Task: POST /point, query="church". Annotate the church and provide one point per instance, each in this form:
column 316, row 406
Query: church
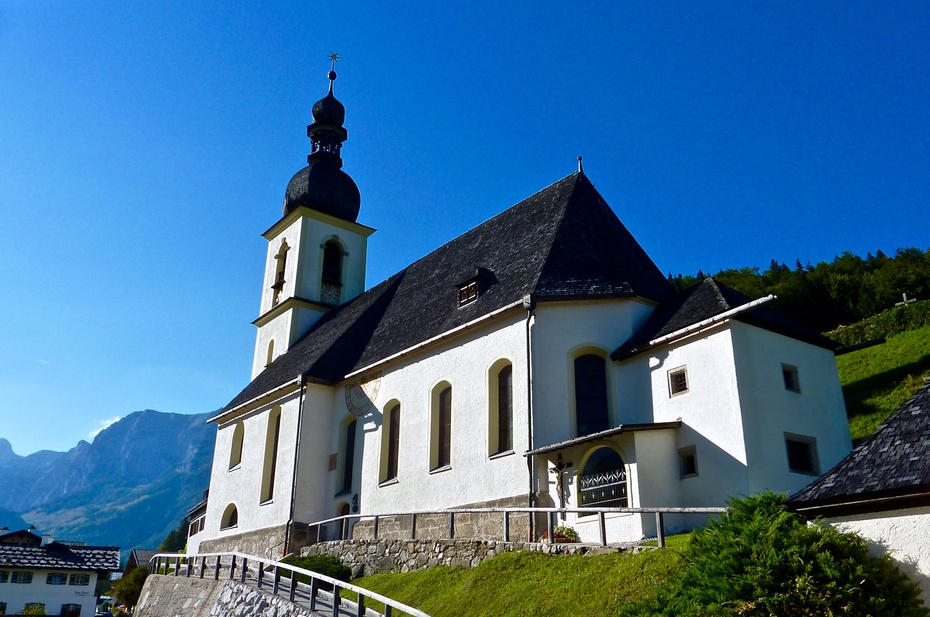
column 540, row 359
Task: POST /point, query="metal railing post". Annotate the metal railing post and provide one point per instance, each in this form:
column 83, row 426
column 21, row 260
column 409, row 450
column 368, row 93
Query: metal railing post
column 549, row 531
column 361, row 606
column 345, row 528
column 413, row 526
column 376, row 526
column 203, row 566
column 603, row 523
column 506, row 525
column 277, row 580
column 232, row 568
column 261, row 574
column 245, row 569
column 451, row 525
column 216, row 571
column 177, row 565
column 293, row 585
column 314, row 588
column 660, row 529
column 336, row 600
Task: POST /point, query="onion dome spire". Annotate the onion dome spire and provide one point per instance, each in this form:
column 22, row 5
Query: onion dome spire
column 322, row 185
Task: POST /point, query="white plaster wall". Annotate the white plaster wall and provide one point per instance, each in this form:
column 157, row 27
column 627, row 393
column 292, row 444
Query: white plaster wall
column 560, row 331
column 316, row 231
column 17, row 595
column 770, row 410
column 902, row 534
column 473, row 475
column 315, row 485
column 293, row 234
column 709, row 411
column 241, row 485
column 278, row 330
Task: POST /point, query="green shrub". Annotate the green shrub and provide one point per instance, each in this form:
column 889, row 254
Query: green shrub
column 759, row 560
column 34, row 608
column 322, row 564
column 887, row 323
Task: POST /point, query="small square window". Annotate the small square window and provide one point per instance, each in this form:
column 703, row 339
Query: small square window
column 677, row 381
column 468, row 292
column 802, row 454
column 56, row 579
column 21, row 577
column 687, row 462
column 790, row 375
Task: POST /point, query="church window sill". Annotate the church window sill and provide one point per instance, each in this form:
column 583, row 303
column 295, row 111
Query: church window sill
column 389, row 482
column 498, row 455
column 440, row 469
column 267, row 502
column 235, row 468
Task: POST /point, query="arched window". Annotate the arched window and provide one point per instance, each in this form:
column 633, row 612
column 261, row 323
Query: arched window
column 230, row 517
column 441, row 430
column 269, row 358
column 271, row 454
column 348, row 460
column 235, row 452
column 602, row 483
column 390, row 428
column 591, row 413
column 500, row 414
column 332, row 273
column 280, row 265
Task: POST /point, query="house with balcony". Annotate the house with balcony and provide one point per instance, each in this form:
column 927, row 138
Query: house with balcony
column 539, row 359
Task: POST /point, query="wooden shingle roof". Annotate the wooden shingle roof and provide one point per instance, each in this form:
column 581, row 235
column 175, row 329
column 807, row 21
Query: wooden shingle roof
column 59, row 556
column 564, row 242
column 890, row 470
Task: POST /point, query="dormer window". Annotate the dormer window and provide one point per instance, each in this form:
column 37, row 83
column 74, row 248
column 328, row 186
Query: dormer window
column 468, row 292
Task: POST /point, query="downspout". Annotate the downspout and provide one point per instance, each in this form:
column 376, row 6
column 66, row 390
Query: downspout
column 532, row 500
column 300, row 415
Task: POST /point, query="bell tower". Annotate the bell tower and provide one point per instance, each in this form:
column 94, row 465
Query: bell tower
column 317, row 251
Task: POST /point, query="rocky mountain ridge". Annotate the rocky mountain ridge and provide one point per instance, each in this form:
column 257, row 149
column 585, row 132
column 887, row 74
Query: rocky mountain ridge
column 128, row 488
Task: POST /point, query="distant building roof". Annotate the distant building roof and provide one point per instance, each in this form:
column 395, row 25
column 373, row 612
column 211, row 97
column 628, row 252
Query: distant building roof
column 563, row 243
column 58, row 556
column 890, row 470
column 705, row 300
column 139, row 557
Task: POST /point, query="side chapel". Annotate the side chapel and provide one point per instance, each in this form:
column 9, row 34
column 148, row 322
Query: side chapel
column 539, row 359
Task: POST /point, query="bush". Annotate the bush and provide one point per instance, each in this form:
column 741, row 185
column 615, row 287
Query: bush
column 34, row 608
column 562, row 533
column 128, row 589
column 760, row 560
column 887, row 323
column 322, row 564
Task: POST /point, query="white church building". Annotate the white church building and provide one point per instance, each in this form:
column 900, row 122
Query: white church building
column 539, row 359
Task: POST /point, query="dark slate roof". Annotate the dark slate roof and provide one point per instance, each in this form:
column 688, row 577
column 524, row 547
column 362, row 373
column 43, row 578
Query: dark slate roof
column 617, row 430
column 58, row 556
column 703, row 301
column 888, row 470
column 564, row 242
column 139, row 557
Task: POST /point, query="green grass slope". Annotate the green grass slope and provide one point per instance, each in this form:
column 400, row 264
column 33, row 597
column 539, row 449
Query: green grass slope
column 519, row 584
column 878, row 380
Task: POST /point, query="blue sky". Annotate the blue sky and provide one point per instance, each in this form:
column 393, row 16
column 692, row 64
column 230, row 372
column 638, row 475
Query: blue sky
column 146, row 145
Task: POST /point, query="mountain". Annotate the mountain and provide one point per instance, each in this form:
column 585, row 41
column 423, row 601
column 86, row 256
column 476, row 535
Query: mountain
column 128, row 488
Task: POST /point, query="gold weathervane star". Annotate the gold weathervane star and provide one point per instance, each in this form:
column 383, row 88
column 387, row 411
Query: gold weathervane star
column 334, row 57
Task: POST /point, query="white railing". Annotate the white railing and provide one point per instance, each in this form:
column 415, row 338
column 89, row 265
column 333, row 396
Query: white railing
column 345, row 523
column 271, row 576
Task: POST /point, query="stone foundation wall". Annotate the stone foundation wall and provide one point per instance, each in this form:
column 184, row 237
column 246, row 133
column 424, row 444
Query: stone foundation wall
column 471, row 526
column 367, row 557
column 267, row 543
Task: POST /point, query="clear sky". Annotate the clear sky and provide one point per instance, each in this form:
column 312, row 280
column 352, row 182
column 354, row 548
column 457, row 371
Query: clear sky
column 144, row 146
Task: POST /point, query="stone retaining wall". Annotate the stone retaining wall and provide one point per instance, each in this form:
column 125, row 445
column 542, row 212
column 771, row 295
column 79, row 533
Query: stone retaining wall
column 367, row 557
column 169, row 596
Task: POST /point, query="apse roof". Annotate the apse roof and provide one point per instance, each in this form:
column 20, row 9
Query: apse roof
column 563, row 243
column 705, row 300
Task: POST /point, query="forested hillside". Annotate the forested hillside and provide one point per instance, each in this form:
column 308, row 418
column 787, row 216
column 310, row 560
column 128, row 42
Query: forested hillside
column 828, row 295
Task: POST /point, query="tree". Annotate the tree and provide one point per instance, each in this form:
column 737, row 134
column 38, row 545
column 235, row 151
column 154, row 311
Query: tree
column 176, row 540
column 128, row 589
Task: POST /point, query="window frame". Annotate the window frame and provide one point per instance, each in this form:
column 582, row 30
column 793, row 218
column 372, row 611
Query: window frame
column 230, row 518
column 500, row 409
column 624, row 499
column 685, row 470
column 585, row 401
column 791, row 378
column 812, row 455
column 235, row 450
column 674, row 388
column 4, row 576
column 73, row 578
column 21, row 574
column 270, row 459
column 441, row 427
column 56, row 578
column 390, row 445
